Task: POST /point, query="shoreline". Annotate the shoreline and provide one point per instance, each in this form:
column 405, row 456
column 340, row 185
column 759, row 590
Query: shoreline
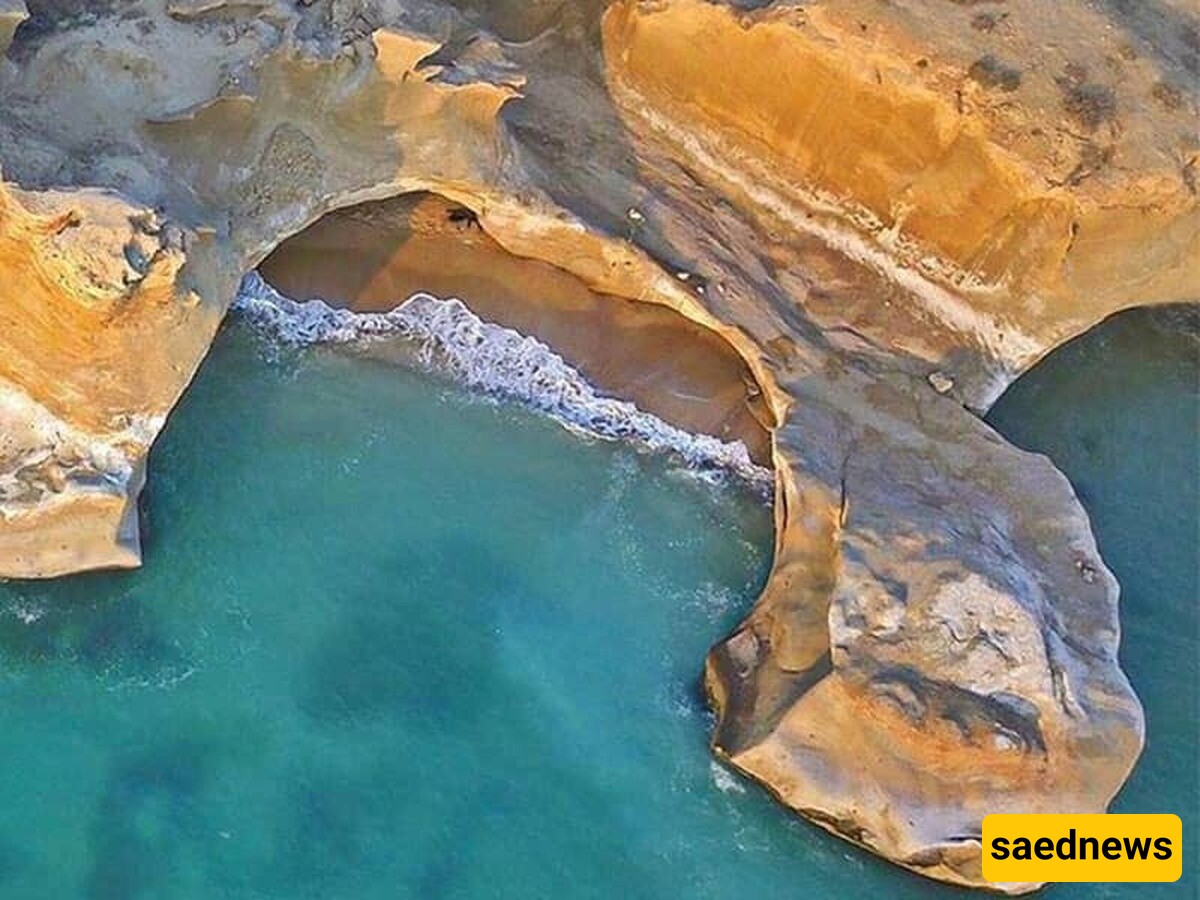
column 499, row 362
column 364, row 258
column 938, row 638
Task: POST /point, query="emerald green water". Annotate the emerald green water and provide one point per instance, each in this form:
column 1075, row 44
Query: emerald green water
column 391, row 640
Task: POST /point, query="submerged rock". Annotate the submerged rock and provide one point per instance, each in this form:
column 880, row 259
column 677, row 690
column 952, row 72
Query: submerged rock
column 853, row 205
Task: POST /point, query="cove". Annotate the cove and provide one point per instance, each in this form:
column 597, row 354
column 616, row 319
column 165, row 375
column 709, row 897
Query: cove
column 392, row 640
column 395, row 640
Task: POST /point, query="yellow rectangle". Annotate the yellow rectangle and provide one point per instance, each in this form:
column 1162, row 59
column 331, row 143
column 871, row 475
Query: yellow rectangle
column 1100, row 847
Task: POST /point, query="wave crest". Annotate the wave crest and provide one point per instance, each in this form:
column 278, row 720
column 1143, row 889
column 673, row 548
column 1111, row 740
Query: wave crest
column 499, row 361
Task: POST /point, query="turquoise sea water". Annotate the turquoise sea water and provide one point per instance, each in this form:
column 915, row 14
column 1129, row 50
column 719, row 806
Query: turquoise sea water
column 1118, row 410
column 391, row 640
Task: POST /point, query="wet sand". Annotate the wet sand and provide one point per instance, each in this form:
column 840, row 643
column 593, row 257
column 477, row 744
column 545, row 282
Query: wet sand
column 371, row 257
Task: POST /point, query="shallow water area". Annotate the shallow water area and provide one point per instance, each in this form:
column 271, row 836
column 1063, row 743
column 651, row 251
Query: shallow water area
column 394, row 639
column 390, row 639
column 447, row 337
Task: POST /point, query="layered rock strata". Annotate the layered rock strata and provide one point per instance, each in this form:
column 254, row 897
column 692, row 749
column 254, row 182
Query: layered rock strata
column 886, row 211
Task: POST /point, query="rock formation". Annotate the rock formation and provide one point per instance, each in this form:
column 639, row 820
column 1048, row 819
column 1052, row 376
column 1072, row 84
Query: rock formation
column 366, row 256
column 888, row 210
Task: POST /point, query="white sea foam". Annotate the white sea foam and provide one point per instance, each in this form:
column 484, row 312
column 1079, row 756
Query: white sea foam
column 498, row 361
column 33, row 437
column 26, row 613
column 725, row 781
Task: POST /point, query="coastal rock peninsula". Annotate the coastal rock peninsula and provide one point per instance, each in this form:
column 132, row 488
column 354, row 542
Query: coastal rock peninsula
column 832, row 230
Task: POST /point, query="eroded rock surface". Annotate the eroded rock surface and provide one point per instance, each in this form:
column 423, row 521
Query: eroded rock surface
column 888, row 211
column 369, row 256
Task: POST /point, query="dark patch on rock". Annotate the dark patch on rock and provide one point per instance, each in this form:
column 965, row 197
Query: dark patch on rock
column 992, row 73
column 1168, row 95
column 1090, row 104
column 987, row 21
column 1092, row 159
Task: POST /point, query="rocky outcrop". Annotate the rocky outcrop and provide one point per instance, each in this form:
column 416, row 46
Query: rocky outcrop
column 12, row 14
column 889, row 688
column 99, row 336
column 1018, row 193
column 882, row 211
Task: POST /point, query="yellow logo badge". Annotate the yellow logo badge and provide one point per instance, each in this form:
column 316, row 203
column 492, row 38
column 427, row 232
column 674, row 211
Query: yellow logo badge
column 1082, row 847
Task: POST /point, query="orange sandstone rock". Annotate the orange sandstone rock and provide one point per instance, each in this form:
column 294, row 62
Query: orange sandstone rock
column 873, row 215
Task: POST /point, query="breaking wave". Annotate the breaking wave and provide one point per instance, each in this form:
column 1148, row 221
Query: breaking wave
column 496, row 360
